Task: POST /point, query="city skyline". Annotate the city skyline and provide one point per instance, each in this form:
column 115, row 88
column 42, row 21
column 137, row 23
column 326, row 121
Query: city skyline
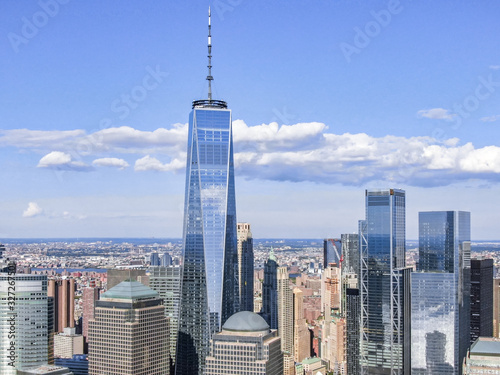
column 328, row 100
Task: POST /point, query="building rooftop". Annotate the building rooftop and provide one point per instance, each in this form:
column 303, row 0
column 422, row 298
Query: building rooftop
column 486, row 345
column 130, row 290
column 245, row 321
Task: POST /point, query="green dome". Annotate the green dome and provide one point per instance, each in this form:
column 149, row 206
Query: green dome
column 131, row 290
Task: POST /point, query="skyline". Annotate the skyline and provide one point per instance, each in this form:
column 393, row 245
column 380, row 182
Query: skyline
column 97, row 98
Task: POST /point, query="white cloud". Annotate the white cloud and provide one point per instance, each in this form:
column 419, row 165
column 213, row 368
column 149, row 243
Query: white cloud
column 62, row 161
column 33, row 210
column 148, row 163
column 111, row 162
column 25, row 138
column 495, row 67
column 490, row 118
column 436, row 114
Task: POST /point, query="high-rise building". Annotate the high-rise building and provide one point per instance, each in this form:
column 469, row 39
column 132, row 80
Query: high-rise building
column 167, row 282
column 350, row 252
column 440, row 292
column 332, row 251
column 63, row 292
column 90, row 295
column 385, row 341
column 496, row 308
column 68, row 343
column 210, row 290
column 481, row 298
column 285, row 319
column 246, row 346
column 166, row 260
column 353, row 315
column 154, row 259
column 245, row 266
column 301, row 337
column 23, row 322
column 270, row 292
column 129, row 332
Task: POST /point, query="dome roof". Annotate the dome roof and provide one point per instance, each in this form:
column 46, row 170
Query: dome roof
column 130, row 290
column 245, row 321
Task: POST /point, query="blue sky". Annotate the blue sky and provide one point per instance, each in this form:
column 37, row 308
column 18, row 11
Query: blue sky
column 329, row 98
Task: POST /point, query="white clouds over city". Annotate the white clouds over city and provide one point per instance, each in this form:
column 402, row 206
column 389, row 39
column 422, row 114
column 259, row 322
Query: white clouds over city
column 299, row 152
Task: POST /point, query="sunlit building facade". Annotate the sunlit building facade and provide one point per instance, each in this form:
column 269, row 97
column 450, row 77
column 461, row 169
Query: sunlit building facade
column 440, row 328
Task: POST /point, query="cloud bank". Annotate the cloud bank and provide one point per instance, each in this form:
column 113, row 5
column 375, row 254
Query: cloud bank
column 299, row 152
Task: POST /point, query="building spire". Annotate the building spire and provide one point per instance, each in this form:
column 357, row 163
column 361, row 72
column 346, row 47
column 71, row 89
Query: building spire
column 209, row 76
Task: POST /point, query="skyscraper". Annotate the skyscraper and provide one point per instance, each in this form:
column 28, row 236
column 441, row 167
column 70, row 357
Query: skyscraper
column 270, row 292
column 350, row 253
column 63, row 292
column 210, row 292
column 353, row 305
column 332, row 251
column 167, row 282
column 301, row 337
column 481, row 298
column 129, row 332
column 385, row 341
column 246, row 346
column 245, row 266
column 24, row 324
column 90, row 295
column 440, row 329
column 285, row 318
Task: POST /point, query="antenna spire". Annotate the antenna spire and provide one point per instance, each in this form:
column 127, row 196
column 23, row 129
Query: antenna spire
column 209, row 76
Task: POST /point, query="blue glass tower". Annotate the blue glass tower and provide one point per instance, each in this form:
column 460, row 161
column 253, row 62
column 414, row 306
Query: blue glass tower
column 441, row 293
column 385, row 287
column 210, row 292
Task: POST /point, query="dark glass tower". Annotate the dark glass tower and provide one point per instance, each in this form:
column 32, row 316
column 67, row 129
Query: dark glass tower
column 385, row 340
column 481, row 298
column 210, row 292
column 441, row 293
column 270, row 292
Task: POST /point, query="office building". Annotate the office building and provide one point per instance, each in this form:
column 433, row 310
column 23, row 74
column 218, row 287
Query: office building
column 45, row 370
column 210, row 291
column 440, row 328
column 385, row 341
column 483, row 357
column 166, row 260
column 24, row 326
column 496, row 308
column 246, row 346
column 350, row 252
column 332, row 251
column 129, row 332
column 245, row 266
column 63, row 293
column 481, row 298
column 301, row 337
column 68, row 343
column 285, row 319
column 90, row 296
column 78, row 364
column 154, row 260
column 167, row 282
column 270, row 292
column 353, row 315
column 116, row 276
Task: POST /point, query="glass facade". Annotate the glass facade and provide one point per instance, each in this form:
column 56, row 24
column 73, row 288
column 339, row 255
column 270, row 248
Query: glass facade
column 210, row 289
column 441, row 293
column 332, row 251
column 384, row 284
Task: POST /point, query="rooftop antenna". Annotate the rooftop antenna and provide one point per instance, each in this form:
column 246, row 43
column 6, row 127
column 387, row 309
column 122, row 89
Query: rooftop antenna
column 209, row 76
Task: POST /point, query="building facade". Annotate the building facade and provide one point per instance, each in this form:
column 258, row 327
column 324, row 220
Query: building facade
column 167, row 282
column 270, row 292
column 440, row 327
column 129, row 332
column 24, row 322
column 246, row 346
column 483, row 357
column 210, row 289
column 63, row 293
column 353, row 317
column 285, row 319
column 245, row 266
column 385, row 341
column 481, row 298
column 332, row 251
column 68, row 343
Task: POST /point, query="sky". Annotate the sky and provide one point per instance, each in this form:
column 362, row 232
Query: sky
column 328, row 98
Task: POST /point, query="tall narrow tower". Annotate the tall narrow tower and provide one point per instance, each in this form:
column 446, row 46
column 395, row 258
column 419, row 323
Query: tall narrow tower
column 209, row 292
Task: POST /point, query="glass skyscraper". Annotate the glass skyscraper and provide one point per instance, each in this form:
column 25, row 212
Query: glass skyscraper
column 384, row 282
column 441, row 293
column 209, row 289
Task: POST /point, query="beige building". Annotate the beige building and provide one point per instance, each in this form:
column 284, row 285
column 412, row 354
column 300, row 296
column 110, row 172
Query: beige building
column 301, row 336
column 68, row 343
column 129, row 332
column 246, row 346
column 285, row 319
column 483, row 357
column 245, row 267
